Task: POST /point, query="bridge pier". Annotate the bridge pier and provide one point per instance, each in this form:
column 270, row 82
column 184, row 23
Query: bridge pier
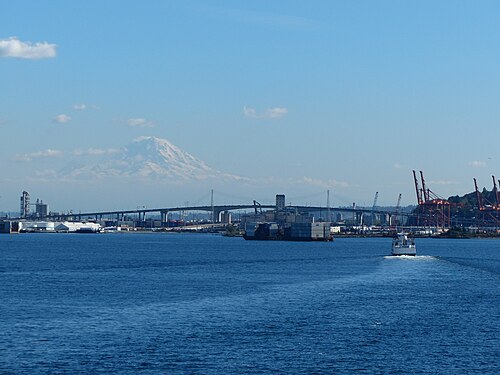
column 216, row 217
column 359, row 218
column 164, row 216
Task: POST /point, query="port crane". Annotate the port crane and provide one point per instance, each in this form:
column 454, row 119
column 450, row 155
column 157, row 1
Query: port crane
column 257, row 205
column 417, row 189
column 483, row 203
column 495, row 191
column 433, row 210
column 488, row 208
column 398, row 204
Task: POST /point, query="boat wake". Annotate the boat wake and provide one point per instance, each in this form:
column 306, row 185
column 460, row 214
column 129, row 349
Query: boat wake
column 485, row 265
column 411, row 257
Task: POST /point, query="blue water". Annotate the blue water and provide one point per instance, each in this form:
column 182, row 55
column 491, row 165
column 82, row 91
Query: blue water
column 164, row 303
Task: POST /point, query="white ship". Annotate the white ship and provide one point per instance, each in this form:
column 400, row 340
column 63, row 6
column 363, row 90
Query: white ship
column 403, row 245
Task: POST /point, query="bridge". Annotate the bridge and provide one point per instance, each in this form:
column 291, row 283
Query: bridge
column 215, row 210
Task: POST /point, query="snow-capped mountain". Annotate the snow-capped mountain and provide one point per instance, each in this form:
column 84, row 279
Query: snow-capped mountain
column 147, row 157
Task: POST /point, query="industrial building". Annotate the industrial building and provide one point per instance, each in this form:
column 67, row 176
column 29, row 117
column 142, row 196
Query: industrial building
column 41, row 209
column 59, row 227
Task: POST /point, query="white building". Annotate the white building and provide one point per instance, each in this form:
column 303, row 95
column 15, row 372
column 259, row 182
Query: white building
column 76, row 226
column 37, row 226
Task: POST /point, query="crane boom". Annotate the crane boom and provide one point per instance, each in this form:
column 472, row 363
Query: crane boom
column 375, row 201
column 398, row 204
column 424, row 188
column 417, row 188
column 478, row 195
column 498, row 208
column 495, row 191
column 257, row 207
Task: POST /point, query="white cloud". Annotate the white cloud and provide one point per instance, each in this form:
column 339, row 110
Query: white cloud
column 323, row 183
column 477, row 164
column 39, row 155
column 140, row 122
column 326, row 184
column 62, row 119
column 13, row 47
column 80, row 107
column 442, row 182
column 46, row 175
column 249, row 112
column 400, row 166
column 95, row 152
column 276, row 112
column 84, row 107
column 270, row 113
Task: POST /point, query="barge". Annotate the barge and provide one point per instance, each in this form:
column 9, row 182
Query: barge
column 268, row 231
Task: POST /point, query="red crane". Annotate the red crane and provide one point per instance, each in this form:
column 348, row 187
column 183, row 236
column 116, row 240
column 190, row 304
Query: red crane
column 424, row 189
column 417, row 189
column 433, row 210
column 495, row 191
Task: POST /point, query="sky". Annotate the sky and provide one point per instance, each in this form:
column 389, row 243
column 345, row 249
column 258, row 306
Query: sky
column 346, row 96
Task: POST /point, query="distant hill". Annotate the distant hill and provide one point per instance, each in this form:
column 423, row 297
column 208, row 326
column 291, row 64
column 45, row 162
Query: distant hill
column 469, row 200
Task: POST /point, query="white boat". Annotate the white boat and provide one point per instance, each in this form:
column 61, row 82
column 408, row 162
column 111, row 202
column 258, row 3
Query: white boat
column 402, row 244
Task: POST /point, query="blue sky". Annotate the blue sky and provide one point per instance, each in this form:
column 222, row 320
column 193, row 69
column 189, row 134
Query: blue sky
column 342, row 95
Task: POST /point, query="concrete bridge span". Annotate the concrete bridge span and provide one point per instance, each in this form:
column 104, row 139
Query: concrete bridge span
column 216, row 210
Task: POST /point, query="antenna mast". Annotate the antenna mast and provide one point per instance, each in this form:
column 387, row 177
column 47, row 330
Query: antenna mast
column 328, row 213
column 373, row 207
column 212, row 205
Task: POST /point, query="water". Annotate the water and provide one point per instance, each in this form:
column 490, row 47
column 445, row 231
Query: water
column 163, row 303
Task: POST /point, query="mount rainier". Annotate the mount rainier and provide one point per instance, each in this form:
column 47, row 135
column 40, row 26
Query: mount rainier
column 149, row 158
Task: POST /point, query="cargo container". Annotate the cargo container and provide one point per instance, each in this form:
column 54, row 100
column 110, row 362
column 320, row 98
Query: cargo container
column 289, row 232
